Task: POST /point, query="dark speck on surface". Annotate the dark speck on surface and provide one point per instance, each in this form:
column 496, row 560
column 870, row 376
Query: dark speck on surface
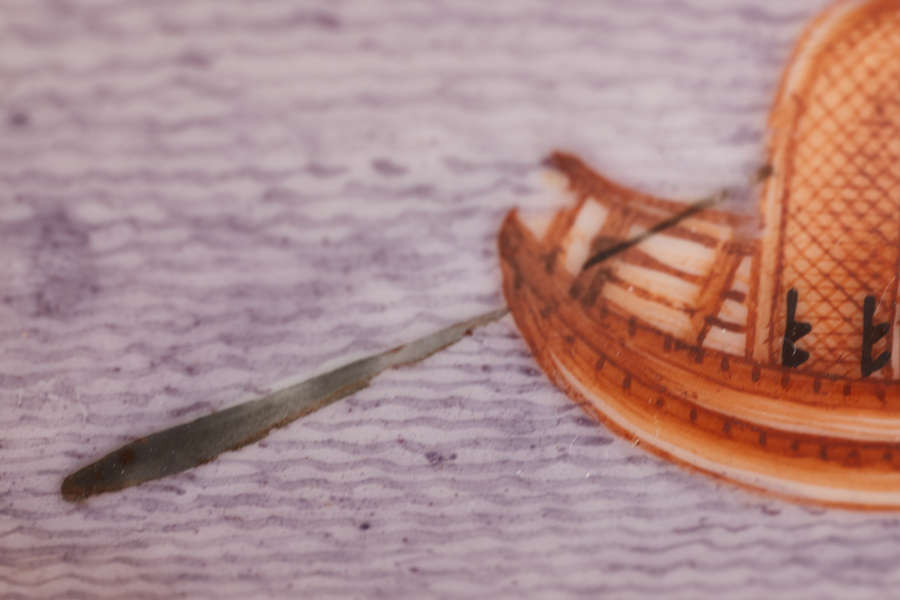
column 324, row 171
column 530, row 371
column 194, row 59
column 388, row 168
column 365, row 525
column 19, row 119
column 436, row 458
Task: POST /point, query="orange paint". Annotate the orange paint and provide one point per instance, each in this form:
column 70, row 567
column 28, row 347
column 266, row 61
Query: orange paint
column 772, row 362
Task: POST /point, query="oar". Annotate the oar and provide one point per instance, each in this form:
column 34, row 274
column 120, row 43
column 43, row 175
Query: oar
column 191, row 444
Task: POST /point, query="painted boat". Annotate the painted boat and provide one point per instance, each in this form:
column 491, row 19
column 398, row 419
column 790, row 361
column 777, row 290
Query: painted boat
column 766, row 350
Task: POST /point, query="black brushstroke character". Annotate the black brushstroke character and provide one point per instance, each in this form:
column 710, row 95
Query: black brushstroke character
column 871, row 335
column 791, row 356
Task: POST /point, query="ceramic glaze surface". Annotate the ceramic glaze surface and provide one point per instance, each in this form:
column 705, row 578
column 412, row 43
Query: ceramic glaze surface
column 832, row 212
column 202, row 199
column 762, row 359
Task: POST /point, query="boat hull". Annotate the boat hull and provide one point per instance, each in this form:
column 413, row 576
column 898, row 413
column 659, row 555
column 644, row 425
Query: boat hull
column 688, row 404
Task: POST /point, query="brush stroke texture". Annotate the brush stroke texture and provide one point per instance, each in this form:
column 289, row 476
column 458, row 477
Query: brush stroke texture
column 200, row 200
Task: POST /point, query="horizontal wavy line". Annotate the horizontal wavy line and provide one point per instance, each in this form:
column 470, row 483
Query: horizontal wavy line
column 427, row 532
column 464, row 103
column 490, row 498
column 498, row 536
column 181, row 69
column 76, row 91
column 163, row 255
column 371, row 80
column 751, row 587
column 242, row 301
column 426, row 535
column 212, row 336
column 679, row 23
column 399, row 194
column 204, row 340
column 471, row 574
